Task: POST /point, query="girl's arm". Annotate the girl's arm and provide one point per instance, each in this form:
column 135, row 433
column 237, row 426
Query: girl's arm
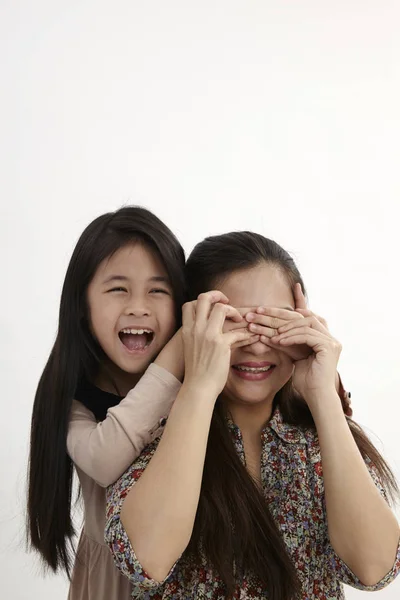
column 158, row 512
column 105, row 450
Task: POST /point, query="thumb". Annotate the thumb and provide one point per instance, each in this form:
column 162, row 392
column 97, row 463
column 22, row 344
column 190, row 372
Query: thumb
column 299, row 298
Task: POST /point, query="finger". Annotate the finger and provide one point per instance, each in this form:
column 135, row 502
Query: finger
column 188, row 314
column 315, row 340
column 268, row 341
column 219, row 314
column 306, row 329
column 309, row 313
column 262, row 330
column 305, row 312
column 269, row 321
column 302, row 352
column 246, row 342
column 299, row 298
column 205, row 302
column 322, row 321
column 279, row 313
column 236, row 336
column 306, row 322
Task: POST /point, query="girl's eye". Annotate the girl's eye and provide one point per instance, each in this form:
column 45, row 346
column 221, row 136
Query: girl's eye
column 118, row 289
column 159, row 291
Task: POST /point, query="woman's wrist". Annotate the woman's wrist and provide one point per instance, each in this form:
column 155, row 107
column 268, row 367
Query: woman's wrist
column 197, row 391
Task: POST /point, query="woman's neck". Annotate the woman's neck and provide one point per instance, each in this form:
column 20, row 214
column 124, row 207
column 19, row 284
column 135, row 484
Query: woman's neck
column 251, row 419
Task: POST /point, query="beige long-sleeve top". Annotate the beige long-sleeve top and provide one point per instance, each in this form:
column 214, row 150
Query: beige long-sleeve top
column 101, row 452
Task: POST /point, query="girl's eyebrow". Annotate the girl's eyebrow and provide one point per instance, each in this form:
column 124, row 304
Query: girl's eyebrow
column 115, row 278
column 156, row 278
column 160, row 278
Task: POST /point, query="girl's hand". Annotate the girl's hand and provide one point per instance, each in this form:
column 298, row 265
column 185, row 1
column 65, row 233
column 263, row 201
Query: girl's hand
column 207, row 349
column 317, row 373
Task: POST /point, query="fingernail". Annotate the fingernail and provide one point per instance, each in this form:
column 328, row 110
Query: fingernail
column 250, row 316
column 260, row 310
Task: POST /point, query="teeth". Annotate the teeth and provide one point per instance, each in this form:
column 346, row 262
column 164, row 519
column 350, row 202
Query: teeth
column 136, row 331
column 254, row 369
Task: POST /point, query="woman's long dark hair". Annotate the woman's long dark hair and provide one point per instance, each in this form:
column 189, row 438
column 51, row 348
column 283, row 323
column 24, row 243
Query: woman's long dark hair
column 75, row 355
column 234, row 527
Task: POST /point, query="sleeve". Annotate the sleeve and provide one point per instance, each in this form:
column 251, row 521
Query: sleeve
column 115, row 535
column 342, row 571
column 104, row 450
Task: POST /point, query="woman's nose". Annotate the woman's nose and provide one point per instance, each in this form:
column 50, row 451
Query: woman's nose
column 257, row 349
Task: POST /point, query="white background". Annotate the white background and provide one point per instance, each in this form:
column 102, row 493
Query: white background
column 281, row 117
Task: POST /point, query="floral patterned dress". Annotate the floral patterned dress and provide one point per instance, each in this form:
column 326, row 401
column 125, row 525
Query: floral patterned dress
column 291, row 475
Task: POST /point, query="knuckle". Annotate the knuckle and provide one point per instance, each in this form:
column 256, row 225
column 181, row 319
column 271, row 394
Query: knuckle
column 210, row 336
column 186, row 331
column 222, row 307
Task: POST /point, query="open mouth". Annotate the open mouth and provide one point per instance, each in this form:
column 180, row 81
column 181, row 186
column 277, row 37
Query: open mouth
column 253, row 369
column 136, row 340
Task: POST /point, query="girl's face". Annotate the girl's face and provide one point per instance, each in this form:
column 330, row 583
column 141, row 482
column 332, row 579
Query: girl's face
column 249, row 383
column 131, row 307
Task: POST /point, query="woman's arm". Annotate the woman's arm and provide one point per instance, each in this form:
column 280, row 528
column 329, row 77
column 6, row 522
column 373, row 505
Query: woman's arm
column 363, row 530
column 159, row 511
column 105, row 450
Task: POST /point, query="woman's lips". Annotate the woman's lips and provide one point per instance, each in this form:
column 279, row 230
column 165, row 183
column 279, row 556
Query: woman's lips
column 253, row 371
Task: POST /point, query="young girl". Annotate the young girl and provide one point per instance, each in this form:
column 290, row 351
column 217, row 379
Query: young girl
column 259, row 487
column 121, row 302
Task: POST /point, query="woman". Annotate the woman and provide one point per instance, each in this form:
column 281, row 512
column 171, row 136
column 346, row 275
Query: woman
column 259, row 487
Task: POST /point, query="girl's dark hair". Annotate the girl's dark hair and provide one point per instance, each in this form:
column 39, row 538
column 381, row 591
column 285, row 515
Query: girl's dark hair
column 76, row 355
column 234, row 527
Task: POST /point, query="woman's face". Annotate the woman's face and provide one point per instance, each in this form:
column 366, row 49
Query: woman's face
column 257, row 371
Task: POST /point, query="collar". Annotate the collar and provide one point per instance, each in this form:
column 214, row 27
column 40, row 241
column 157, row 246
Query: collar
column 291, row 434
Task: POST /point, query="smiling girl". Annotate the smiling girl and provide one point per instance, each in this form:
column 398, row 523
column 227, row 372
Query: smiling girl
column 120, row 304
column 260, row 487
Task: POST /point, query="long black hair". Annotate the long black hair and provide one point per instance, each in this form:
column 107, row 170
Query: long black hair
column 234, row 527
column 76, row 355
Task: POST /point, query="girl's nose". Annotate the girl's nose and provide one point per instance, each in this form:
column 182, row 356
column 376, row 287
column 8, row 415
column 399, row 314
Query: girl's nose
column 138, row 308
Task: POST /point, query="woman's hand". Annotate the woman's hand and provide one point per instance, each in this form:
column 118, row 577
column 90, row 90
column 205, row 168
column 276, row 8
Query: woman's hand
column 266, row 324
column 317, row 373
column 266, row 320
column 269, row 324
column 207, row 349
